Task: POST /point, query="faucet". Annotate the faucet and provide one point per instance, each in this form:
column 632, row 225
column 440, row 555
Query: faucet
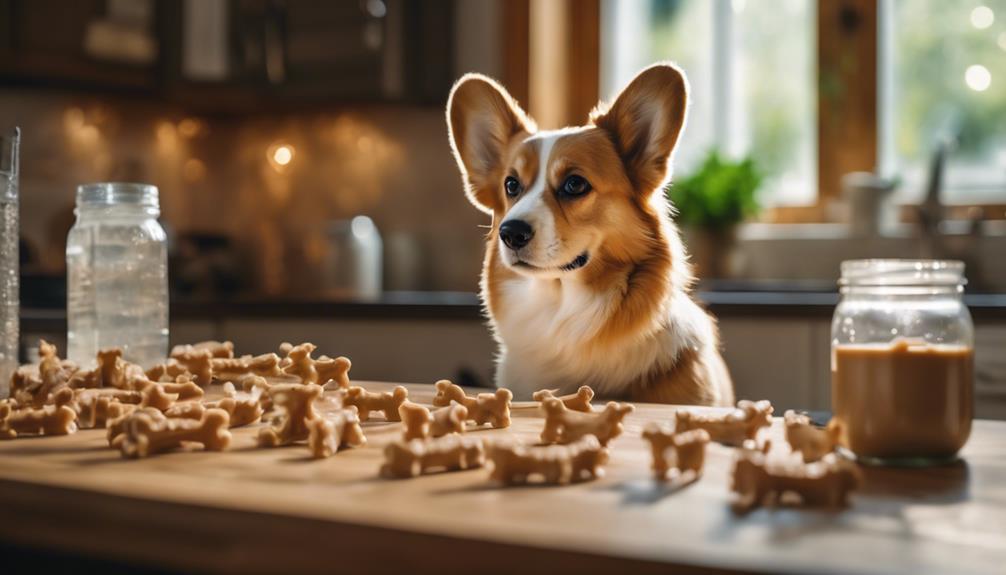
column 930, row 212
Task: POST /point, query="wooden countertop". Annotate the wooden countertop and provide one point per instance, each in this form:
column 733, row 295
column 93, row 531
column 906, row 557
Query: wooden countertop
column 256, row 510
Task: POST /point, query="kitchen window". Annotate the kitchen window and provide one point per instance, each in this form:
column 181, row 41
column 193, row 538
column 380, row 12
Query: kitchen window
column 753, row 73
column 943, row 78
column 760, row 72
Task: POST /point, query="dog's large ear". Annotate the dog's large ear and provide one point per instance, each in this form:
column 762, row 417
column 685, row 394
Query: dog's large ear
column 482, row 119
column 645, row 122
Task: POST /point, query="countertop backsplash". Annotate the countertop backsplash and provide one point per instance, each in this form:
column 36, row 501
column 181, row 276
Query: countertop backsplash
column 220, row 176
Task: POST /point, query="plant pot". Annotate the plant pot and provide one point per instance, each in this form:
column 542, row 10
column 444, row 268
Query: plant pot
column 711, row 251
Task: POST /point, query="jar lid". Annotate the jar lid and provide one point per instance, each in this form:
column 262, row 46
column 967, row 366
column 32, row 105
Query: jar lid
column 117, row 193
column 897, row 272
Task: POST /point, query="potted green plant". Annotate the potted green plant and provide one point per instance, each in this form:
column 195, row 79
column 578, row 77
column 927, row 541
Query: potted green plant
column 710, row 203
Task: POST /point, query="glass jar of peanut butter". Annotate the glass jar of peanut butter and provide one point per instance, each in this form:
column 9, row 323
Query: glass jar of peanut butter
column 902, row 361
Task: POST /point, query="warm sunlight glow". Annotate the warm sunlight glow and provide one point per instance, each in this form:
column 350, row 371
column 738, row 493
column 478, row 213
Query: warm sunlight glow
column 978, row 78
column 982, row 17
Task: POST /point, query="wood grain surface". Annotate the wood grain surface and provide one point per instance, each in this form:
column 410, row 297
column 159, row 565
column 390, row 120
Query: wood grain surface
column 254, row 510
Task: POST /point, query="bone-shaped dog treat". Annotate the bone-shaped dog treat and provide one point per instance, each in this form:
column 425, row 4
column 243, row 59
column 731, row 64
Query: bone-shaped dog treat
column 146, row 435
column 732, row 428
column 297, row 404
column 493, row 408
column 244, row 408
column 217, row 349
column 563, row 425
column 265, row 365
column 199, row 363
column 387, row 402
column 334, row 430
column 687, row 450
column 182, row 386
column 336, row 370
column 551, row 464
column 155, row 396
column 120, row 395
column 756, row 481
column 404, row 459
column 170, row 370
column 118, row 416
column 189, row 410
column 812, row 442
column 47, row 420
column 579, row 401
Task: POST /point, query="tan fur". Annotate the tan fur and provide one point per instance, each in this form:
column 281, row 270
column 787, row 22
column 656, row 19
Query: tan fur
column 637, row 275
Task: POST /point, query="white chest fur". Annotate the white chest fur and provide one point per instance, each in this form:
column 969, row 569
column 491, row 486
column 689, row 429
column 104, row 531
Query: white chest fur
column 547, row 328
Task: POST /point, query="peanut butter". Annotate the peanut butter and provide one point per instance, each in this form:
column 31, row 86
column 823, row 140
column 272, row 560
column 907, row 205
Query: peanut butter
column 903, row 400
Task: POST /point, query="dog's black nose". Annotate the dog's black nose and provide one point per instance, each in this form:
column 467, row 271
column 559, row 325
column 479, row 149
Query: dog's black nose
column 516, row 233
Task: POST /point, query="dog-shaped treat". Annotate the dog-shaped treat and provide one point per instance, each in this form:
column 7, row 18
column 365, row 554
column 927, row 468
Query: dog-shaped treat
column 332, row 431
column 296, row 403
column 169, row 370
column 812, row 443
column 404, row 459
column 687, row 450
column 552, row 464
column 420, row 423
column 826, row 482
column 563, row 425
column 199, row 363
column 336, row 370
column 731, row 428
column 265, row 365
column 387, row 402
column 579, row 401
column 492, row 408
column 585, row 277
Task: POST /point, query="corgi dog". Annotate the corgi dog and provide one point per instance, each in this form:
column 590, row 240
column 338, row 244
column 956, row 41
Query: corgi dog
column 585, row 278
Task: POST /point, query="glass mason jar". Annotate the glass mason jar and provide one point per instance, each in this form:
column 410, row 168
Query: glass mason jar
column 117, row 274
column 902, row 361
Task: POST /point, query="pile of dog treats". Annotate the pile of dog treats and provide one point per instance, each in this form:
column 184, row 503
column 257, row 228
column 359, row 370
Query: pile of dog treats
column 145, row 412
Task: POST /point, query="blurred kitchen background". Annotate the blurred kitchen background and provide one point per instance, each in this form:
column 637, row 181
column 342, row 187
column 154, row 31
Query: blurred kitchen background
column 309, row 193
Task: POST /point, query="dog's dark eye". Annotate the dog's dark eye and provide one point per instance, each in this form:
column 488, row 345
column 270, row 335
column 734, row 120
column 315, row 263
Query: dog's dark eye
column 512, row 186
column 575, row 186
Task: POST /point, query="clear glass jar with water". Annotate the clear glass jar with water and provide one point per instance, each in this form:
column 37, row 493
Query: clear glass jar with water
column 117, row 274
column 9, row 258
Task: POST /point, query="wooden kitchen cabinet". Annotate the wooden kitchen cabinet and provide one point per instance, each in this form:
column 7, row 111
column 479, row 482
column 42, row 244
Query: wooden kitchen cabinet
column 234, row 56
column 59, row 43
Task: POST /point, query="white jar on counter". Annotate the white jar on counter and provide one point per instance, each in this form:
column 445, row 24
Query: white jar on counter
column 117, row 274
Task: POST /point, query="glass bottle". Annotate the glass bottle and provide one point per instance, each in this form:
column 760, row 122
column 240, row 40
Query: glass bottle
column 117, row 276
